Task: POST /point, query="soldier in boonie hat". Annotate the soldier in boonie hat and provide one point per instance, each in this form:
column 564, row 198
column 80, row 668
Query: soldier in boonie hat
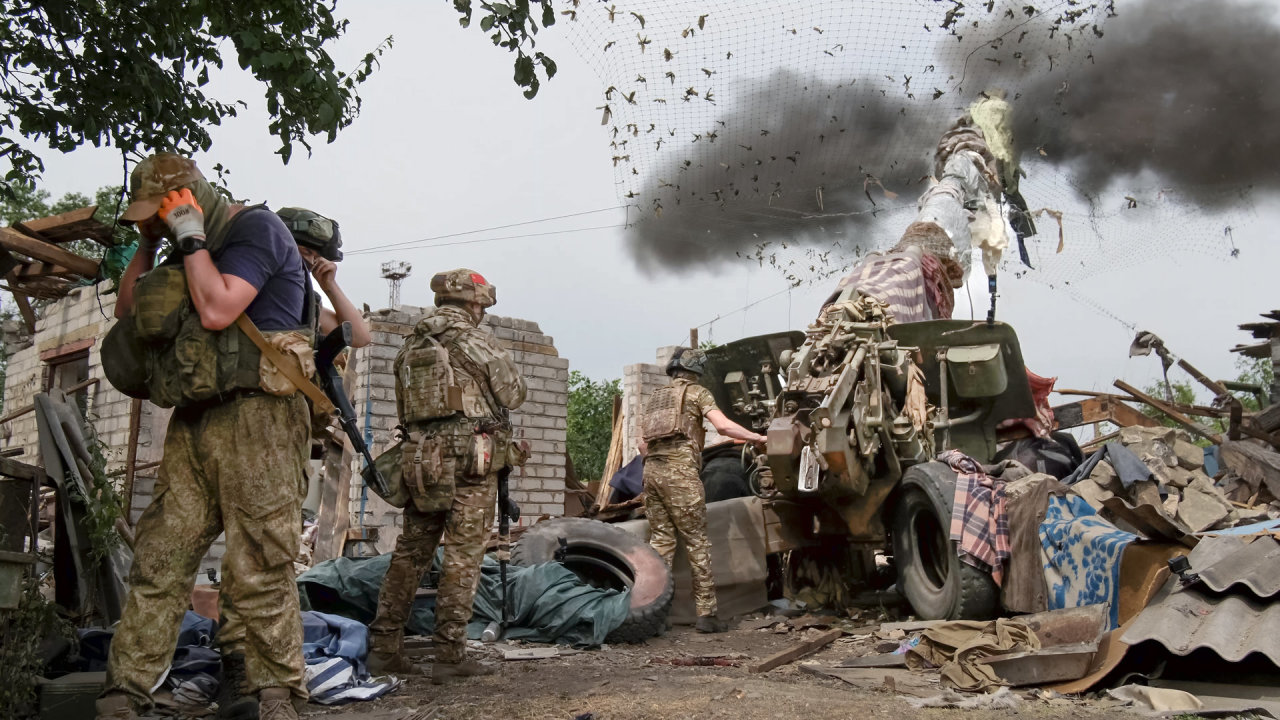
column 152, row 179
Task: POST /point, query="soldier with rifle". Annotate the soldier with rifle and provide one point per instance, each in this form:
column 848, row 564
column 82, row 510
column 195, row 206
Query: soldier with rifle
column 318, row 239
column 455, row 386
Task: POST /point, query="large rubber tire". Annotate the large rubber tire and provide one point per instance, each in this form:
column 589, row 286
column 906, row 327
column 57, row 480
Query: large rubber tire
column 605, row 556
column 930, row 574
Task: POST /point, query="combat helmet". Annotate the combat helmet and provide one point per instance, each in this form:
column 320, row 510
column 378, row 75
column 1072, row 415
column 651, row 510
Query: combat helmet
column 687, row 359
column 312, row 230
column 152, row 178
column 463, row 285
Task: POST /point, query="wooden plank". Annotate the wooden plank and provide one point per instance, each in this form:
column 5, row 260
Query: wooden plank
column 46, row 252
column 131, row 454
column 52, row 222
column 32, row 270
column 25, row 310
column 798, row 651
column 1108, row 408
column 1176, row 416
column 612, row 461
column 886, row 660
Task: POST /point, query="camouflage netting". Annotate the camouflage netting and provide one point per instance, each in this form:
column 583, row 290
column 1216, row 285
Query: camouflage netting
column 802, row 133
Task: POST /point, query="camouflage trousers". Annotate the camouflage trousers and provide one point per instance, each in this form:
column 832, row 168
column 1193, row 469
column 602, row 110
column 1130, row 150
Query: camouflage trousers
column 236, row 468
column 462, row 530
column 675, row 502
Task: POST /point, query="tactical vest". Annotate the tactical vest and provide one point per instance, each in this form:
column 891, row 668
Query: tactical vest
column 665, row 416
column 185, row 363
column 425, row 385
column 429, row 388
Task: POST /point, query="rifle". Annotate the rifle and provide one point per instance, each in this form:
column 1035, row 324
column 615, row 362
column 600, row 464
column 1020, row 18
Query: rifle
column 508, row 511
column 331, row 382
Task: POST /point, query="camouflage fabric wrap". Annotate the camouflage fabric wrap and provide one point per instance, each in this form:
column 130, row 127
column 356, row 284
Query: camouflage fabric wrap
column 676, row 506
column 236, row 468
column 464, row 285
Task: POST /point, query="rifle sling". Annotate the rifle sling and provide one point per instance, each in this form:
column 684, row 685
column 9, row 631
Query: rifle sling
column 313, row 392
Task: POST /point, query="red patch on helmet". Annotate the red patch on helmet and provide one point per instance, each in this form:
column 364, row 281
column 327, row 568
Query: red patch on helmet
column 478, row 279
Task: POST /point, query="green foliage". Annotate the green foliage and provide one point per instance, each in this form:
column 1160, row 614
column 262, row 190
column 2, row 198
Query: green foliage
column 131, row 74
column 512, row 25
column 103, row 504
column 21, row 632
column 590, row 423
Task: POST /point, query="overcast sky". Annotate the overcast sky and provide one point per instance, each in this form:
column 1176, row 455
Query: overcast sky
column 446, row 145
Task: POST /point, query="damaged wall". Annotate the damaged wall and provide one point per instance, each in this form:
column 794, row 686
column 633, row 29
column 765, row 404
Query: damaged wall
column 66, row 348
column 539, row 486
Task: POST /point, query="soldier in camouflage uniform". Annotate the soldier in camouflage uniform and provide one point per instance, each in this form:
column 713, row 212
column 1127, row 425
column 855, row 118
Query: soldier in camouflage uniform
column 674, row 501
column 233, row 461
column 453, row 491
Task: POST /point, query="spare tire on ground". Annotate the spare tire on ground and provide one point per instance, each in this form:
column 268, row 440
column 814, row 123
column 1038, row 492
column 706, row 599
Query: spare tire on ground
column 605, row 556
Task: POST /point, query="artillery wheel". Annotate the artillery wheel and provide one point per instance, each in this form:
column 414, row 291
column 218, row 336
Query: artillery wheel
column 930, row 574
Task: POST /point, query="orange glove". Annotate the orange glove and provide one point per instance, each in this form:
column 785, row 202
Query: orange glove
column 180, row 211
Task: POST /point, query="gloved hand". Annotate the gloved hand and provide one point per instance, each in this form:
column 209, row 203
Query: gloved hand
column 182, row 214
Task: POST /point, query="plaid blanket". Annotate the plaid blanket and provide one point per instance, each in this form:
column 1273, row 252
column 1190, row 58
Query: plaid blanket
column 897, row 280
column 979, row 523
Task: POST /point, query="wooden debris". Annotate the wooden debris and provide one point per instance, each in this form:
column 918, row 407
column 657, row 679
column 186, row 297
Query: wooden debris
column 884, row 660
column 796, row 652
column 894, row 680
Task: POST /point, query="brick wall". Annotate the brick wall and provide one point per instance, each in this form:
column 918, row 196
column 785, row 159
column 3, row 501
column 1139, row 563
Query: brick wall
column 76, row 320
column 83, row 318
column 539, row 485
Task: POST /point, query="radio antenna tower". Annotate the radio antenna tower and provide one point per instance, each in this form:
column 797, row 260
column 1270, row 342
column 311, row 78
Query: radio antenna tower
column 394, row 272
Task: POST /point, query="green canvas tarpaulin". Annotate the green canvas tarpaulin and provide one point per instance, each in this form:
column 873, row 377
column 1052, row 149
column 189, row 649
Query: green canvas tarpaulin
column 548, row 603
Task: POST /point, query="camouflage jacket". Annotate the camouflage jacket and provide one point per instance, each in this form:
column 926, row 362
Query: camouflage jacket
column 490, row 381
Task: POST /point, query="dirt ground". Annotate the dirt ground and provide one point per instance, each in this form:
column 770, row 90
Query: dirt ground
column 639, row 682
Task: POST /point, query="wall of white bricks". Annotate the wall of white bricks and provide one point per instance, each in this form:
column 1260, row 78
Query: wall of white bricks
column 542, row 420
column 538, row 487
column 84, row 315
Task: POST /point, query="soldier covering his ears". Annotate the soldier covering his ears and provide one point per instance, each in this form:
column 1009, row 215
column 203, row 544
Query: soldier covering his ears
column 237, row 441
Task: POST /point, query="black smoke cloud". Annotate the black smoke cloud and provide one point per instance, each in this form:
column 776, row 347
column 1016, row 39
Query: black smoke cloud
column 1184, row 89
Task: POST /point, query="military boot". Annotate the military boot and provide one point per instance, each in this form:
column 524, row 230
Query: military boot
column 442, row 673
column 386, row 655
column 276, row 704
column 233, row 702
column 115, row 706
column 710, row 624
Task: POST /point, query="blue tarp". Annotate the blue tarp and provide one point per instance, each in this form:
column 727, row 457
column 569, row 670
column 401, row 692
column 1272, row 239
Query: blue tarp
column 548, row 602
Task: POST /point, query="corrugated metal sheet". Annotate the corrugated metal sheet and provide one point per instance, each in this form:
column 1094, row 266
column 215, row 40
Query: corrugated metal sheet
column 1254, row 568
column 1233, row 625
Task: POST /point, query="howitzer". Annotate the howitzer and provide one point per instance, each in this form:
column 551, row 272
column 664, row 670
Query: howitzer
column 331, row 382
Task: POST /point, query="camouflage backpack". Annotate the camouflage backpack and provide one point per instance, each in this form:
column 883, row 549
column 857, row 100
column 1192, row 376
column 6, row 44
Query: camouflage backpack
column 425, row 386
